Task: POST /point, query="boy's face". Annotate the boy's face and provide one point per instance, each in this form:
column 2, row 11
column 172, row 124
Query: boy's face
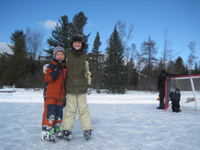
column 77, row 45
column 60, row 56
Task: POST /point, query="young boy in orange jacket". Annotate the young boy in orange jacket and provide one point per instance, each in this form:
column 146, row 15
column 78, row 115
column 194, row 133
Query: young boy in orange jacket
column 54, row 96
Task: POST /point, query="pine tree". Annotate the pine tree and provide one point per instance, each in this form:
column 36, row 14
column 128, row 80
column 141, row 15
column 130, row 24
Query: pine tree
column 133, row 76
column 4, row 61
column 170, row 67
column 63, row 31
column 115, row 70
column 1, row 72
column 195, row 71
column 79, row 21
column 60, row 36
column 97, row 60
column 179, row 67
column 18, row 64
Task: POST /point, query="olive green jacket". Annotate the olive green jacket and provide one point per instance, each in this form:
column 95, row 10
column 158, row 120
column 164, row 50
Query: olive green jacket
column 79, row 72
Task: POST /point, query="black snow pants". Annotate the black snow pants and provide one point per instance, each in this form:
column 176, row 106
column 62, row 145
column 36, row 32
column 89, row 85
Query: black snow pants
column 175, row 106
column 162, row 95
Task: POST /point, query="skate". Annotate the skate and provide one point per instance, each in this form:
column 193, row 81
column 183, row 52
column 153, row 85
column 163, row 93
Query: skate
column 87, row 134
column 58, row 132
column 67, row 135
column 47, row 136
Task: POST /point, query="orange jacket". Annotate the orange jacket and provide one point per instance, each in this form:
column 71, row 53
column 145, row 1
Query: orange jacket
column 54, row 86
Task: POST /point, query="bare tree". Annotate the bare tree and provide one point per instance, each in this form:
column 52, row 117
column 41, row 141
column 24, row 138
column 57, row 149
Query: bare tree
column 34, row 41
column 121, row 26
column 139, row 60
column 149, row 52
column 167, row 50
column 192, row 56
column 133, row 48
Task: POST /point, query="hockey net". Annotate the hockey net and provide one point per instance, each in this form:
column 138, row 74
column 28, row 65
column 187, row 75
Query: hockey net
column 189, row 88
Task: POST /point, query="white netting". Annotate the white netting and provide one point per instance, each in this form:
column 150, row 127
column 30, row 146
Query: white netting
column 186, row 85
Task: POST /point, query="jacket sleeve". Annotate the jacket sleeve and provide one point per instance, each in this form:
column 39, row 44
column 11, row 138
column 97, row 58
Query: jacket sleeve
column 171, row 75
column 51, row 73
column 89, row 73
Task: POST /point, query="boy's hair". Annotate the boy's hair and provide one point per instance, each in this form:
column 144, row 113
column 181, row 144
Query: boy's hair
column 78, row 37
column 58, row 49
column 177, row 89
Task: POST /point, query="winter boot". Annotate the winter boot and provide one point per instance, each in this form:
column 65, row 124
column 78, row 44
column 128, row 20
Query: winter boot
column 48, row 136
column 87, row 134
column 58, row 132
column 67, row 135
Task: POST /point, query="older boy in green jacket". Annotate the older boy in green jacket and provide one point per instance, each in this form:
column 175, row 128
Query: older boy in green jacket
column 78, row 80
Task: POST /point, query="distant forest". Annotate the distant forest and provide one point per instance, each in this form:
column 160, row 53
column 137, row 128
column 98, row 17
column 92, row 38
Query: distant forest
column 120, row 68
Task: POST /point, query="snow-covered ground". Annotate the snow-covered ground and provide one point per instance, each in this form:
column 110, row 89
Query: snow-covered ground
column 120, row 122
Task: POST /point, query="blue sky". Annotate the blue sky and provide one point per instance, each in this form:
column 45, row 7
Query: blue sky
column 148, row 17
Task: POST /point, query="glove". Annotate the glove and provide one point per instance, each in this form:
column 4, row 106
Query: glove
column 45, row 68
column 89, row 91
column 59, row 66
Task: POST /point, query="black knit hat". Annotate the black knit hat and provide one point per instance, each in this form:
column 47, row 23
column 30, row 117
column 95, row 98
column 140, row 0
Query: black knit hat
column 78, row 37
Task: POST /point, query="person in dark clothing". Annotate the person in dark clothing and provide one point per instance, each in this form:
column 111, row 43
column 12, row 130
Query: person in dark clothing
column 175, row 98
column 161, row 87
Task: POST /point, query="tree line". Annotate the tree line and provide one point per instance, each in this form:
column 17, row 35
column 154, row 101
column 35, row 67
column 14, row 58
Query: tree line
column 119, row 68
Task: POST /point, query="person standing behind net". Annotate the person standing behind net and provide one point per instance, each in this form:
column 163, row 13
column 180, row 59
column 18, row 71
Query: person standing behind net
column 161, row 87
column 78, row 80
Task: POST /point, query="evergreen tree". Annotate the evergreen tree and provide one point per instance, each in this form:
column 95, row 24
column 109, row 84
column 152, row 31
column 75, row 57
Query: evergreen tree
column 196, row 71
column 1, row 72
column 18, row 64
column 4, row 61
column 97, row 60
column 179, row 67
column 79, row 21
column 170, row 67
column 63, row 31
column 115, row 70
column 149, row 82
column 60, row 36
column 132, row 75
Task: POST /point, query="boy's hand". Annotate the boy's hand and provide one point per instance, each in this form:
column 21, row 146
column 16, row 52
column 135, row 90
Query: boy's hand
column 89, row 91
column 59, row 66
column 45, row 68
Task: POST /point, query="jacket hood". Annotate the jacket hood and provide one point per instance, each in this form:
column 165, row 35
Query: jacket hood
column 163, row 72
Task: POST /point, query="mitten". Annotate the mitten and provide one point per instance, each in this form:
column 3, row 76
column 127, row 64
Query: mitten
column 59, row 66
column 45, row 68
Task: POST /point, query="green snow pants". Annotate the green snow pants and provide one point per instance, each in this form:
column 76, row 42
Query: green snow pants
column 75, row 101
